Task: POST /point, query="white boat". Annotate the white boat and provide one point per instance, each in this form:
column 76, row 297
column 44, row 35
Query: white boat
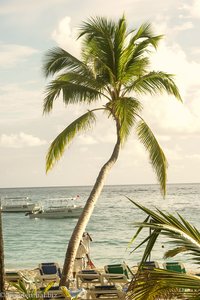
column 57, row 209
column 17, row 204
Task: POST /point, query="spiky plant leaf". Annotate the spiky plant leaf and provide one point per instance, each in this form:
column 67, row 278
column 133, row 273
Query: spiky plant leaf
column 57, row 59
column 155, row 83
column 57, row 147
column 185, row 237
column 163, row 284
column 156, row 154
column 72, row 94
column 125, row 110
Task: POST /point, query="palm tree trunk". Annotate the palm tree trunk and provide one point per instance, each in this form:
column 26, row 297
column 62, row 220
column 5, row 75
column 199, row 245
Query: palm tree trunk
column 2, row 282
column 86, row 214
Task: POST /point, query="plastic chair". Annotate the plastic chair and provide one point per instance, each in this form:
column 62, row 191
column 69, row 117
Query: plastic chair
column 49, row 272
column 149, row 265
column 88, row 277
column 15, row 277
column 174, row 266
column 117, row 273
column 105, row 292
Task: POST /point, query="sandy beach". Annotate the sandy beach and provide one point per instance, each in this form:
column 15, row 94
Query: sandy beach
column 32, row 276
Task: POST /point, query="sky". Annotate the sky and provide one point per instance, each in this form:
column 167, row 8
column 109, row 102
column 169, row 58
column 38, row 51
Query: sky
column 29, row 28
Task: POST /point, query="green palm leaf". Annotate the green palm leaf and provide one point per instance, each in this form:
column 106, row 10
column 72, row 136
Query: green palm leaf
column 155, row 82
column 72, row 93
column 186, row 237
column 145, row 31
column 156, row 154
column 57, row 59
column 163, row 284
column 125, row 110
column 66, row 136
column 98, row 34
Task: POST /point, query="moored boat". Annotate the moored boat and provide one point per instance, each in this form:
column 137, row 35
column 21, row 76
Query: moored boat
column 57, row 212
column 57, row 209
column 17, row 204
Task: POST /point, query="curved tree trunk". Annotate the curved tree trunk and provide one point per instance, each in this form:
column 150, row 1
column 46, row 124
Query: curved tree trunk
column 86, row 214
column 2, row 282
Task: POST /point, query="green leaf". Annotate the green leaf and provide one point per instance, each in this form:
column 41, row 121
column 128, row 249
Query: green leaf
column 156, row 154
column 125, row 111
column 154, row 83
column 66, row 136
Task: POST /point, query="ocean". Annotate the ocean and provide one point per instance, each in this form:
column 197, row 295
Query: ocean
column 28, row 242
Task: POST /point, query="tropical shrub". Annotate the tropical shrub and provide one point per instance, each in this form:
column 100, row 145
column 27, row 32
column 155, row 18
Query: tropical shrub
column 160, row 283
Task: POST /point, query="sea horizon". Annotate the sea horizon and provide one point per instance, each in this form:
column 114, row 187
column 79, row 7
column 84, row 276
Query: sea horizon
column 117, row 184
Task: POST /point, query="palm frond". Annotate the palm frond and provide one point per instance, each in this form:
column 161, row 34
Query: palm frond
column 175, row 251
column 58, row 59
column 58, row 146
column 125, row 111
column 155, row 82
column 145, row 31
column 163, row 284
column 131, row 73
column 138, row 232
column 186, row 238
column 119, row 45
column 156, row 154
column 72, row 91
column 139, row 46
column 98, row 36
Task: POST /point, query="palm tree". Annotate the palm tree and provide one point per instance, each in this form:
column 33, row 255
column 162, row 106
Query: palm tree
column 114, row 69
column 160, row 283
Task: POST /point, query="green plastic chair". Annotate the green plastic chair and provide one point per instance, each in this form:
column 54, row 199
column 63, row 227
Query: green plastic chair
column 117, row 273
column 174, row 266
column 117, row 269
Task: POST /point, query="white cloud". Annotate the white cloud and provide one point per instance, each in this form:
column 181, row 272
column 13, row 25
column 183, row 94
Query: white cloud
column 19, row 103
column 170, row 114
column 86, row 140
column 20, row 140
column 193, row 156
column 11, row 54
column 193, row 9
column 36, row 6
column 184, row 26
column 66, row 38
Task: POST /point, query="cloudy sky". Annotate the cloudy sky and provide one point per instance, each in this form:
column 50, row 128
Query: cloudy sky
column 29, row 28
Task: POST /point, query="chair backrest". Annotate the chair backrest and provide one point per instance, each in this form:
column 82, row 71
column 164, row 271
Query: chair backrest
column 117, row 269
column 150, row 265
column 15, row 277
column 49, row 269
column 11, row 276
column 88, row 272
column 174, row 266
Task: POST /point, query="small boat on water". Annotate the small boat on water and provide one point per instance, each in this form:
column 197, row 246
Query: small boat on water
column 17, row 204
column 57, row 209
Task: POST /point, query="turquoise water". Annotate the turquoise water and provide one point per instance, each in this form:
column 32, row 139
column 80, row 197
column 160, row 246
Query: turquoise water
column 28, row 242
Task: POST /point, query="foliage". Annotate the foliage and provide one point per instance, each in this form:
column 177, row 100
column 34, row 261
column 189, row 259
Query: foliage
column 31, row 293
column 114, row 68
column 34, row 293
column 185, row 238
